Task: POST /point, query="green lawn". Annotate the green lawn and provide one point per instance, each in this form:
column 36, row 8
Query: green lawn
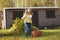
column 46, row 35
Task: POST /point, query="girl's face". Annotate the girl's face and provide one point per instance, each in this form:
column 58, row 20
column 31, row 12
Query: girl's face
column 29, row 10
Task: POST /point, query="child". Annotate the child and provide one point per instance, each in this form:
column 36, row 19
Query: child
column 27, row 16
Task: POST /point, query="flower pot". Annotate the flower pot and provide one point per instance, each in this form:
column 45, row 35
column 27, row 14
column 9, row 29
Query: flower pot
column 36, row 33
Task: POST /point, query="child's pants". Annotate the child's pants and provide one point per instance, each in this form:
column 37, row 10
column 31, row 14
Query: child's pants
column 28, row 29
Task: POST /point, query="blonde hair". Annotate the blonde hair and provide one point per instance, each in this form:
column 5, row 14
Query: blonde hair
column 27, row 11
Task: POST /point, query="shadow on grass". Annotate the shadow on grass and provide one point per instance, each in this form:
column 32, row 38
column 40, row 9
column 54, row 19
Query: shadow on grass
column 8, row 35
column 46, row 34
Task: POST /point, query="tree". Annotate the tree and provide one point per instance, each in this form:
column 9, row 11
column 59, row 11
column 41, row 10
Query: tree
column 5, row 3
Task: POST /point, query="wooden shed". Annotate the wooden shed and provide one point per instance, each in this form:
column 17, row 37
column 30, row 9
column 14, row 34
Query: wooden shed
column 42, row 16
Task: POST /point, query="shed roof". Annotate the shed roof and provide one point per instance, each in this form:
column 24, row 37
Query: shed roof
column 56, row 8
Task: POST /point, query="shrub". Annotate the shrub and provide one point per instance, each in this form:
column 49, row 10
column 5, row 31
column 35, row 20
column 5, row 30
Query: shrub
column 34, row 28
column 17, row 26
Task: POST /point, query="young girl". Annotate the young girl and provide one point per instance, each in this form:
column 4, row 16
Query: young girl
column 27, row 16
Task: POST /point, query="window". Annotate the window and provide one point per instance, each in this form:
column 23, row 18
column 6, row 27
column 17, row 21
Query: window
column 50, row 13
column 17, row 14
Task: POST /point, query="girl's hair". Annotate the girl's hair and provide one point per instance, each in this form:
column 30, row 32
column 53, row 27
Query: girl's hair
column 26, row 11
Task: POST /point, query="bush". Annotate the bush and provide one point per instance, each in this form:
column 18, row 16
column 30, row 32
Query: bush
column 17, row 26
column 34, row 28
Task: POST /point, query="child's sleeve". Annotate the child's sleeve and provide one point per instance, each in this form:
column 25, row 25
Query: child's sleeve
column 23, row 16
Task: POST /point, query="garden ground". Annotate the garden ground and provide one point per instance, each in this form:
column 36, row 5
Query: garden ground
column 46, row 35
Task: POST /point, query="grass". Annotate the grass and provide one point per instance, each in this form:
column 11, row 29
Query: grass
column 46, row 35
